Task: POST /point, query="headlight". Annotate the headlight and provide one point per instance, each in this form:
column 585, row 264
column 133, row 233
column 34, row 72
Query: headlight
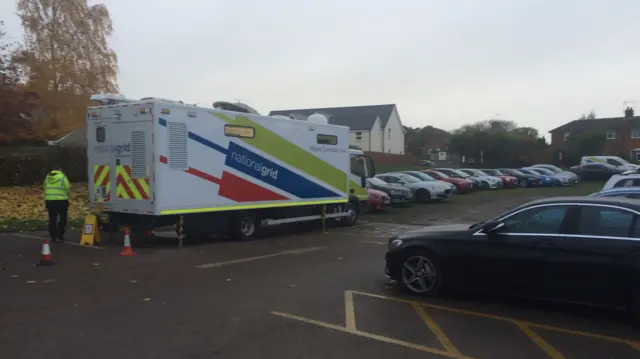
column 393, row 244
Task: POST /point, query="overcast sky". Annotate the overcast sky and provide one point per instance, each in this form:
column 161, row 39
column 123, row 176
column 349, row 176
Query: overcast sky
column 444, row 63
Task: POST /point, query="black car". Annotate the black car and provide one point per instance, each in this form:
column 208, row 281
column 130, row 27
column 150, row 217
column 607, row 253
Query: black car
column 577, row 249
column 596, row 171
column 397, row 194
column 524, row 180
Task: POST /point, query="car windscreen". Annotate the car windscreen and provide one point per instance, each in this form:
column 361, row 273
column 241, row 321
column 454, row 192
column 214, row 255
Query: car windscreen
column 377, row 181
column 553, row 168
column 528, row 172
column 516, row 172
column 408, row 178
column 450, row 172
column 440, row 174
column 535, row 171
column 480, row 173
column 422, row 176
column 460, row 173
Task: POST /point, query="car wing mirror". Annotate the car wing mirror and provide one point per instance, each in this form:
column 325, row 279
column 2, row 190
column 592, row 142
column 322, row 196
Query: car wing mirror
column 401, row 183
column 492, row 227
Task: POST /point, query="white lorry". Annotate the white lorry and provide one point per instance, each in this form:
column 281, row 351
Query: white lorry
column 155, row 163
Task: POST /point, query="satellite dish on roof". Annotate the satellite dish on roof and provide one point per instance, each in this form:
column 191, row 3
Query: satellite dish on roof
column 235, row 107
column 318, row 118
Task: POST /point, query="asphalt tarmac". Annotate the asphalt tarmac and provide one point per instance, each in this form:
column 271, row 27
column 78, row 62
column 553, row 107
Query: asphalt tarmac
column 304, row 294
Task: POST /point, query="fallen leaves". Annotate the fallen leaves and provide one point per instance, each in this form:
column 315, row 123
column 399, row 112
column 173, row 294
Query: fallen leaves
column 23, row 207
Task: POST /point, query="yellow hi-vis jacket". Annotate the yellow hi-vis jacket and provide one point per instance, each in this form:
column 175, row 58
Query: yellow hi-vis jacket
column 56, row 186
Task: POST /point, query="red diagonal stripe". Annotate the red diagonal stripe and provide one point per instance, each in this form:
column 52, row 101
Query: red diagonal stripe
column 96, row 176
column 124, row 184
column 235, row 188
column 241, row 190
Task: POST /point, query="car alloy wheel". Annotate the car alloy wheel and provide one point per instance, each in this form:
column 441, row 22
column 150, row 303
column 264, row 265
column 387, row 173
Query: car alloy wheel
column 523, row 183
column 419, row 274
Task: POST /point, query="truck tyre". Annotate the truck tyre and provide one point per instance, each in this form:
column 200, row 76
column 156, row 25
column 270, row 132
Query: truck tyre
column 244, row 226
column 353, row 208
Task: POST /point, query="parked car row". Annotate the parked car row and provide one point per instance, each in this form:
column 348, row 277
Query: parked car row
column 437, row 184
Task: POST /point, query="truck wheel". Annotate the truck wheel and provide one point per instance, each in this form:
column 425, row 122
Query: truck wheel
column 244, row 226
column 352, row 218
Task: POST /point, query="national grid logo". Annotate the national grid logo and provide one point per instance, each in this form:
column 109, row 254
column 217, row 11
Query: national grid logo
column 255, row 165
column 118, row 149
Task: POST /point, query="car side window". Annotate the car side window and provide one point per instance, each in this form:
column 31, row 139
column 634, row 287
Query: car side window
column 390, row 179
column 624, row 183
column 538, row 220
column 636, row 182
column 604, row 222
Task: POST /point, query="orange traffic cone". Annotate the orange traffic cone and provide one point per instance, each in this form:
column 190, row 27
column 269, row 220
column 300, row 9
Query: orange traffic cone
column 127, row 251
column 46, row 259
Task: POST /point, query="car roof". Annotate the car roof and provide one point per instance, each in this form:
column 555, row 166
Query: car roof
column 621, row 189
column 615, row 201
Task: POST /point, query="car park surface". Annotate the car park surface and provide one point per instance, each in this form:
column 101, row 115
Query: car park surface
column 298, row 294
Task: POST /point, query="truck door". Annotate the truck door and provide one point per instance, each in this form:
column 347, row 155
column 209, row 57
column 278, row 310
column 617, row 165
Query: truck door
column 132, row 160
column 120, row 158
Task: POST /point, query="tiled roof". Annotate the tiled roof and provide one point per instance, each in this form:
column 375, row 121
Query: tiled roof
column 354, row 117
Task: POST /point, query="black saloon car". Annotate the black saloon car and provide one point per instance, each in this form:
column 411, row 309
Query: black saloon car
column 577, row 249
column 596, row 171
column 397, row 194
column 524, row 180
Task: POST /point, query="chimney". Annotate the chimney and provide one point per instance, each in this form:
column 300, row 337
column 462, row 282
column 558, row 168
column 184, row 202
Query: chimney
column 628, row 112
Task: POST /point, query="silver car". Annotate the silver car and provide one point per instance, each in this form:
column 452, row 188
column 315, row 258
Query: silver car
column 422, row 191
column 574, row 178
column 492, row 182
column 559, row 179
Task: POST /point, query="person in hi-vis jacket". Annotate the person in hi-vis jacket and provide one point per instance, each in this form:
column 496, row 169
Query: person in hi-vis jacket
column 56, row 199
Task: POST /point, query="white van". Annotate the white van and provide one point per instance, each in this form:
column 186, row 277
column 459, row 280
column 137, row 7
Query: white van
column 614, row 161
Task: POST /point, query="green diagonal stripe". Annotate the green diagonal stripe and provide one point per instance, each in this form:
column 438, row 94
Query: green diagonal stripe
column 289, row 153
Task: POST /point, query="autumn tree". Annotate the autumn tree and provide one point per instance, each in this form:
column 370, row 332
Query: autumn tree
column 66, row 58
column 15, row 104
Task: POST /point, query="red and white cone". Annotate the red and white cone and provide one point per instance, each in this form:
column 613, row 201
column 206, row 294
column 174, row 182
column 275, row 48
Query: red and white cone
column 127, row 251
column 46, row 258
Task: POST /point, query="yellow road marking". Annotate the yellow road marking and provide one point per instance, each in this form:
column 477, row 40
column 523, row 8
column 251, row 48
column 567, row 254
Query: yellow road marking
column 442, row 338
column 546, row 347
column 349, row 311
column 372, row 336
column 632, row 343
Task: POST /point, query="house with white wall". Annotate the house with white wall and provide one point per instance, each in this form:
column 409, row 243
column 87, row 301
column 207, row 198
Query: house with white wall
column 375, row 128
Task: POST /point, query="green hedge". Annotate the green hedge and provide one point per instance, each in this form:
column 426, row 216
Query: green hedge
column 29, row 169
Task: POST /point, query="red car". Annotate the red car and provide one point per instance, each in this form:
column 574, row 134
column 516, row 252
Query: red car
column 508, row 181
column 377, row 199
column 462, row 185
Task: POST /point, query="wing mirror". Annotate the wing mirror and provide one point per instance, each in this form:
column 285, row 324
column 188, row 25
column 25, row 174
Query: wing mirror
column 492, row 227
column 402, row 183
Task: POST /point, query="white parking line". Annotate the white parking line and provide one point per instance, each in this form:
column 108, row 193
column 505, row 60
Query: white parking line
column 65, row 242
column 250, row 259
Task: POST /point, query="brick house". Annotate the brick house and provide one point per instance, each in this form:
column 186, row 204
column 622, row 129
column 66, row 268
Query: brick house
column 622, row 135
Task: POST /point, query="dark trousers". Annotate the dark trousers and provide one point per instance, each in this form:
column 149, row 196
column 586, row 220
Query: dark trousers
column 57, row 217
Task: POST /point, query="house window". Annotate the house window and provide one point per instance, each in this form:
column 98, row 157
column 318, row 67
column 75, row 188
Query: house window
column 566, row 136
column 635, row 133
column 389, row 133
column 611, row 135
column 327, row 139
column 358, row 136
column 239, row 131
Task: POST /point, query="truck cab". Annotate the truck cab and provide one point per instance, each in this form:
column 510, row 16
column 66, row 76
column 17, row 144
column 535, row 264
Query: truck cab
column 361, row 168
